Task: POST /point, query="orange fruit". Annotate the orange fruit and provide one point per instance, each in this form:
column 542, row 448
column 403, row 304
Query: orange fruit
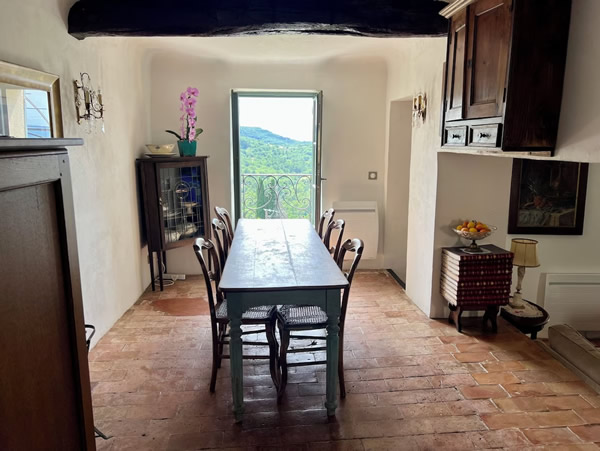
column 479, row 226
column 471, row 225
column 459, row 227
column 473, row 230
column 464, row 229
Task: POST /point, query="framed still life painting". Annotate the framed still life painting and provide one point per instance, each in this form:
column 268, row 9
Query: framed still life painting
column 547, row 197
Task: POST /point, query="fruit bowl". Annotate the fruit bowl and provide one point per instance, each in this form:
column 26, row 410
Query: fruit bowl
column 475, row 236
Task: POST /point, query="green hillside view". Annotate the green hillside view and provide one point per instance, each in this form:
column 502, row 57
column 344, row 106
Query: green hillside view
column 268, row 194
column 264, row 152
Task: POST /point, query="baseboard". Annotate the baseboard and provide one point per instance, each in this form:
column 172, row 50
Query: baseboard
column 396, row 278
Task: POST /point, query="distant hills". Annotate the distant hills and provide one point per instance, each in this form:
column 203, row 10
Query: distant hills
column 264, row 152
column 267, row 137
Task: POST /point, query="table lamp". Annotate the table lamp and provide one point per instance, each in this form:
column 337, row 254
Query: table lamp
column 525, row 256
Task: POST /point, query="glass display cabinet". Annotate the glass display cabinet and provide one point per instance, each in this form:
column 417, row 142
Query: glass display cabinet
column 175, row 205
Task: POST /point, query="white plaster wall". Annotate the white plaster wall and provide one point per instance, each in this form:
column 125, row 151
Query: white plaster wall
column 433, row 204
column 566, row 254
column 579, row 127
column 358, row 137
column 397, row 186
column 354, row 115
column 478, row 187
column 33, row 33
column 415, row 66
column 469, row 187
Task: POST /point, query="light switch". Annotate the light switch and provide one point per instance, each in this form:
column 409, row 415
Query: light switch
column 372, row 175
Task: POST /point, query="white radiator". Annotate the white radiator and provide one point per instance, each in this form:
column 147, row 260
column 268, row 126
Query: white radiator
column 362, row 221
column 573, row 299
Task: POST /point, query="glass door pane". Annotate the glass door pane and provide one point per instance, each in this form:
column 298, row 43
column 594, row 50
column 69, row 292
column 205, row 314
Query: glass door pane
column 181, row 201
column 275, row 156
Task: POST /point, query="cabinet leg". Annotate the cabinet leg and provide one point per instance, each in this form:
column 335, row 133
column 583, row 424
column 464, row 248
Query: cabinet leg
column 491, row 313
column 164, row 259
column 151, row 260
column 454, row 317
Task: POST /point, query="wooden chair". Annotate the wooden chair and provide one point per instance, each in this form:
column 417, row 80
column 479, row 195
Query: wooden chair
column 301, row 318
column 339, row 226
column 263, row 315
column 222, row 241
column 326, row 218
column 224, row 216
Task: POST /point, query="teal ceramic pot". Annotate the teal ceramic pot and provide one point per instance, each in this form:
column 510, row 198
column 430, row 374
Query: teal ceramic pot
column 187, row 148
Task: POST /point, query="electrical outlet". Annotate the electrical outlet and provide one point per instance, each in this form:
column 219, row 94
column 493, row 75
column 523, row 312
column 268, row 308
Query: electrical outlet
column 372, row 175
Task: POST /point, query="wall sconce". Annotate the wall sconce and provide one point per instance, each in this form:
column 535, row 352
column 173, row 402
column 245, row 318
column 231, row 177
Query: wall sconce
column 419, row 109
column 88, row 103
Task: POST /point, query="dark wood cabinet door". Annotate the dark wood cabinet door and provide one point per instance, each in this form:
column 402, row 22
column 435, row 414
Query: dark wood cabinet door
column 489, row 27
column 45, row 397
column 455, row 79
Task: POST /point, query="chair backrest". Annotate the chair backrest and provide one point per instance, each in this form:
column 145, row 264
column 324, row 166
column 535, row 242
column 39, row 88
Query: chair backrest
column 339, row 226
column 326, row 218
column 219, row 228
column 201, row 245
column 224, row 216
column 357, row 247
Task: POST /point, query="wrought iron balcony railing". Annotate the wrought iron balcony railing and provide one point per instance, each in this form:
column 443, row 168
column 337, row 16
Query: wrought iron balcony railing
column 267, row 196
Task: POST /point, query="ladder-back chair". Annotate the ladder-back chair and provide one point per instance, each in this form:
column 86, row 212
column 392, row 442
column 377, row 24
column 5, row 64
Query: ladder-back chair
column 263, row 315
column 301, row 318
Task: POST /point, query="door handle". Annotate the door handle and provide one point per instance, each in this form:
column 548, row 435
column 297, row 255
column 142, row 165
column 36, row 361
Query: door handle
column 323, row 179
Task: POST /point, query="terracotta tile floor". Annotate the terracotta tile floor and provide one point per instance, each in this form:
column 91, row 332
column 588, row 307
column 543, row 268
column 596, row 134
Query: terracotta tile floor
column 413, row 383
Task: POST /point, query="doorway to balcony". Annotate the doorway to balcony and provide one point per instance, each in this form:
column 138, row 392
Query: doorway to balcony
column 276, row 137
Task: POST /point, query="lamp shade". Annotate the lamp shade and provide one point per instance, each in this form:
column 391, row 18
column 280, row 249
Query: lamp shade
column 525, row 252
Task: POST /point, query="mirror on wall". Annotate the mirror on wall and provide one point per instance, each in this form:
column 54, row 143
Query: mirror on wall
column 29, row 103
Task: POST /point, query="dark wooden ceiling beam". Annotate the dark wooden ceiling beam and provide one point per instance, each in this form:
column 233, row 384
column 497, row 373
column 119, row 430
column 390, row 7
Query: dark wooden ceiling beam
column 377, row 18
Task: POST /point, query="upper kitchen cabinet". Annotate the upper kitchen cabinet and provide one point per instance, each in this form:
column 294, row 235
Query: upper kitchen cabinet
column 504, row 73
column 455, row 78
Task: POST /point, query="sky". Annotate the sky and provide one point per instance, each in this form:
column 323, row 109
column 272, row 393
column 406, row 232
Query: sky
column 291, row 117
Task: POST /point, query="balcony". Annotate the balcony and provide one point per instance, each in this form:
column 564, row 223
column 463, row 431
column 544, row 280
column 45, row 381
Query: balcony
column 270, row 196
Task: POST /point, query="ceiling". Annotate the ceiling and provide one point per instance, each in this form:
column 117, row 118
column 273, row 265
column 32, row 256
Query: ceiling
column 209, row 18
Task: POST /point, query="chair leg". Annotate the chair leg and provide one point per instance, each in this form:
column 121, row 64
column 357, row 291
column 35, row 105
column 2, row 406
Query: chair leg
column 99, row 434
column 284, row 336
column 273, row 357
column 341, row 366
column 221, row 335
column 216, row 363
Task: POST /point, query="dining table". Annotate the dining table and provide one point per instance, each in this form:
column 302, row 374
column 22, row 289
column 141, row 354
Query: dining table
column 280, row 262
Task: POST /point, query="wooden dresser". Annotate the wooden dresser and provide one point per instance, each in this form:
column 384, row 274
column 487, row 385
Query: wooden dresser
column 45, row 397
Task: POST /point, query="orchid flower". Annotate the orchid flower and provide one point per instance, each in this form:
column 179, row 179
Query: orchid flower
column 189, row 132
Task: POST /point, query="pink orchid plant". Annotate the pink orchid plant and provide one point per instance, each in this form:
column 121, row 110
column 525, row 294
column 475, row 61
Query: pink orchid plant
column 189, row 132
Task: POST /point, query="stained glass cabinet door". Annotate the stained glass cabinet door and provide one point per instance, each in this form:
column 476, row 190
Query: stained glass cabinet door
column 175, row 203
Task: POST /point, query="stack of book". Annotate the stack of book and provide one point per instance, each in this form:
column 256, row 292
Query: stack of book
column 476, row 279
